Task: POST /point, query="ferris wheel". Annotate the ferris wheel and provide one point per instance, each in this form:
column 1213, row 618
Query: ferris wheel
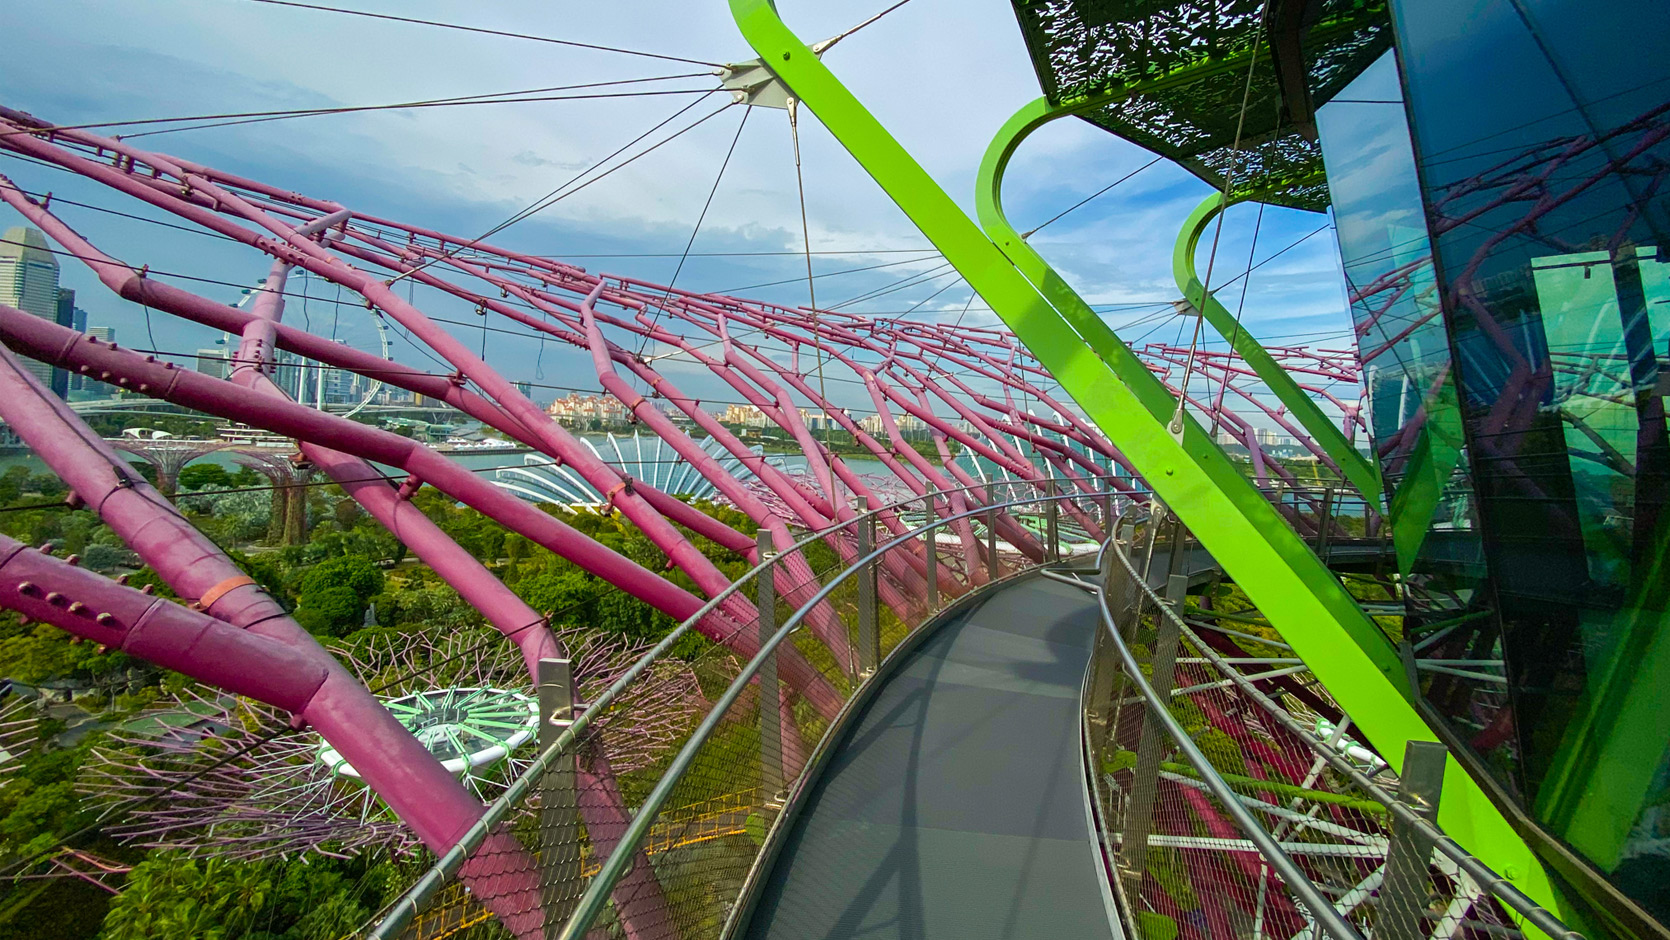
column 321, row 374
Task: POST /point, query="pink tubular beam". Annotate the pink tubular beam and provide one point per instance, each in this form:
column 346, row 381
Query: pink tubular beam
column 989, row 440
column 68, row 349
column 390, row 760
column 474, row 583
column 156, row 630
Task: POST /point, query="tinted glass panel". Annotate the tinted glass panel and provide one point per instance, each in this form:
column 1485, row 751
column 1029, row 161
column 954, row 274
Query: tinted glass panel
column 1540, row 131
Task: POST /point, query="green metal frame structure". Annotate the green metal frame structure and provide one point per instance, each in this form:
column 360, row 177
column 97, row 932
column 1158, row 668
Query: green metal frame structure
column 1255, row 545
column 1358, row 470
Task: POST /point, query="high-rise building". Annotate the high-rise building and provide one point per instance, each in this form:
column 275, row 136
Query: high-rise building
column 29, row 282
column 215, row 361
column 104, row 334
column 66, row 318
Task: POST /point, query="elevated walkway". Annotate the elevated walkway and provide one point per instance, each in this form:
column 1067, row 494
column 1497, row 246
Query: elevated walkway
column 954, row 805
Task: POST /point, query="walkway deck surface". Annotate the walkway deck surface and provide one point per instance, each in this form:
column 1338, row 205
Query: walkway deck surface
column 954, row 804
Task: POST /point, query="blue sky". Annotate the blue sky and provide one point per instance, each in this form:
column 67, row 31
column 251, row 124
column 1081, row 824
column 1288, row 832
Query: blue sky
column 941, row 74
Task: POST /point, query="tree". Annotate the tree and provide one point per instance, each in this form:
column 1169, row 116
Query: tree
column 355, row 572
column 172, row 897
column 330, row 611
column 199, row 476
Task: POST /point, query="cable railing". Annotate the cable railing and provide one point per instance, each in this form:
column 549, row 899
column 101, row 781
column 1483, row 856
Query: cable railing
column 1230, row 800
column 689, row 859
column 662, row 844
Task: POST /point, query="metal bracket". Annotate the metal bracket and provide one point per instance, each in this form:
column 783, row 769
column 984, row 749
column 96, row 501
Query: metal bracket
column 753, row 83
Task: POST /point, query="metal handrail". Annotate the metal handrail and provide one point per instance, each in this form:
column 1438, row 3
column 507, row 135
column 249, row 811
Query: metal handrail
column 400, row 914
column 1498, row 886
column 1280, row 862
column 615, row 866
column 1488, row 880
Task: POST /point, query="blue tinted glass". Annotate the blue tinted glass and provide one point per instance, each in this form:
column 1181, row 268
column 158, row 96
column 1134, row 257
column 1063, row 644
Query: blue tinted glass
column 1541, row 135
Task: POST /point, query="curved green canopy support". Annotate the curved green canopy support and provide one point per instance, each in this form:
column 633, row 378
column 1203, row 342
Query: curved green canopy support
column 1241, row 529
column 1353, row 466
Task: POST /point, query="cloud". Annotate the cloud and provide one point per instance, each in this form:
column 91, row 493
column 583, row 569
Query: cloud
column 942, row 75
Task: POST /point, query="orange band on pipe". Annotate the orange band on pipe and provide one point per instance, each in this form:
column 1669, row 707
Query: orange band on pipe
column 221, row 590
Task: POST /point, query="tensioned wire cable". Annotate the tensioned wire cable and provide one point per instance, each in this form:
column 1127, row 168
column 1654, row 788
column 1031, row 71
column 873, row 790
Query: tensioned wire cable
column 1240, row 307
column 489, row 32
column 930, row 254
column 910, row 280
column 697, row 229
column 255, row 117
column 1039, row 227
column 806, row 228
column 1212, row 257
column 517, row 97
column 569, row 188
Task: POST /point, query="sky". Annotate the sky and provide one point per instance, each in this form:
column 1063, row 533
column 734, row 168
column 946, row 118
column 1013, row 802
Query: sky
column 942, row 75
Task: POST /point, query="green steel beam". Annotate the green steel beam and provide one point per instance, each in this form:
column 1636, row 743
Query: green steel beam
column 1357, row 469
column 1234, row 522
column 1612, row 748
column 1432, row 461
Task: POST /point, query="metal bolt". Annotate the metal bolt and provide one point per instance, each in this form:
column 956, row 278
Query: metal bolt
column 77, row 607
column 105, row 619
column 55, row 598
column 26, row 587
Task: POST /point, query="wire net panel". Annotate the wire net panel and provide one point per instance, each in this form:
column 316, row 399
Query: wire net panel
column 1186, row 866
column 706, row 834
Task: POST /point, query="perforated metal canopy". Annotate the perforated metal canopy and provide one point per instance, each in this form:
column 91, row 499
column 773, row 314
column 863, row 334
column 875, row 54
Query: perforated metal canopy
column 1183, row 66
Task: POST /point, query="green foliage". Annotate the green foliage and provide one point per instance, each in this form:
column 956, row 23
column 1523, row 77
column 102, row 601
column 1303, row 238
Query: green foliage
column 1152, row 926
column 1121, row 760
column 1166, row 866
column 552, row 591
column 330, row 580
column 205, row 475
column 171, row 896
column 330, row 611
column 39, row 802
column 182, row 425
column 1221, row 751
column 265, row 569
column 354, row 572
column 424, row 603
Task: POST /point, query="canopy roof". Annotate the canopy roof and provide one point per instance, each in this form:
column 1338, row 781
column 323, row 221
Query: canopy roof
column 1183, row 65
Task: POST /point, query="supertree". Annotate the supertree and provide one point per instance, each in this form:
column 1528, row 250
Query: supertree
column 167, row 455
column 288, row 474
column 220, row 774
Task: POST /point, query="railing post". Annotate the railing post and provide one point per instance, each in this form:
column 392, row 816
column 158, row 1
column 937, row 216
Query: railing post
column 559, row 811
column 1052, row 522
column 771, row 719
column 931, row 546
column 992, row 565
column 1107, row 509
column 869, row 637
column 1406, row 886
column 1324, row 522
column 1139, row 812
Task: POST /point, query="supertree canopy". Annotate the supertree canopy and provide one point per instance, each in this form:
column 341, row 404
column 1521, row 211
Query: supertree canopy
column 239, row 781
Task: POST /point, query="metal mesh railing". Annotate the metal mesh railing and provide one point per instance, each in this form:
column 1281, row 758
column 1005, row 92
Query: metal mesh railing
column 647, row 825
column 1232, row 802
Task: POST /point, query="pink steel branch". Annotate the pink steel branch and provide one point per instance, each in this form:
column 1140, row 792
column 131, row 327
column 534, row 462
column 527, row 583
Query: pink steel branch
column 906, row 369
